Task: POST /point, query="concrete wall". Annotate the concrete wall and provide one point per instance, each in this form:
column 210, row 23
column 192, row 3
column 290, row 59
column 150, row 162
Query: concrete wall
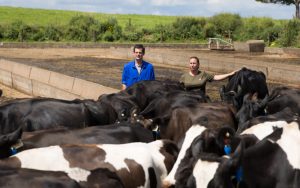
column 39, row 82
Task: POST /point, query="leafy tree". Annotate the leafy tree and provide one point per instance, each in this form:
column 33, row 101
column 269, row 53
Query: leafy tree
column 285, row 2
column 52, row 33
column 187, row 28
column 80, row 27
column 209, row 30
column 226, row 24
column 258, row 28
column 290, row 33
column 111, row 29
column 1, row 32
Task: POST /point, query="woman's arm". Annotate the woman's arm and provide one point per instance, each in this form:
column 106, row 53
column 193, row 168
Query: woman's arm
column 224, row 76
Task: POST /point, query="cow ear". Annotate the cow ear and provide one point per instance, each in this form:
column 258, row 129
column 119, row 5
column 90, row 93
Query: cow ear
column 236, row 158
column 11, row 137
column 197, row 146
column 254, row 97
column 264, row 102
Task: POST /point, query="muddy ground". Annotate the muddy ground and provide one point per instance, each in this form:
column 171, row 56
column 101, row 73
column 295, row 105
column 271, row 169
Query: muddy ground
column 85, row 64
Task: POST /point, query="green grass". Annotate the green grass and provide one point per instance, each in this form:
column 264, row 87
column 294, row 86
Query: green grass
column 43, row 17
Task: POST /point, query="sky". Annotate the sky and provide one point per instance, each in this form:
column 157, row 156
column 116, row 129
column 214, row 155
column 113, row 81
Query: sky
column 205, row 8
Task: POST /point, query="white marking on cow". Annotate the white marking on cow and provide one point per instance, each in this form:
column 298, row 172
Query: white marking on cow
column 290, row 143
column 190, row 135
column 204, row 172
column 147, row 155
column 264, row 129
column 51, row 159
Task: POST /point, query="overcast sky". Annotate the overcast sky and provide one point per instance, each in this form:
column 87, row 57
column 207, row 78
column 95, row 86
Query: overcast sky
column 245, row 8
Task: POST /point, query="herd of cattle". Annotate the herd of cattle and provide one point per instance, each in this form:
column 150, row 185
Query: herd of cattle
column 155, row 134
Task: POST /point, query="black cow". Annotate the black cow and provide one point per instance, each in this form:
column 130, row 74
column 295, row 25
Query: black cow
column 241, row 83
column 163, row 105
column 280, row 98
column 111, row 134
column 210, row 115
column 145, row 91
column 286, row 115
column 273, row 162
column 123, row 104
column 44, row 113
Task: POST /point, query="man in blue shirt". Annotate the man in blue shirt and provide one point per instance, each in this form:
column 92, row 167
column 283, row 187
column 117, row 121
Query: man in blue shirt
column 137, row 70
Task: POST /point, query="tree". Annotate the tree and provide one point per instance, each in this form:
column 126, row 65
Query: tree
column 285, row 2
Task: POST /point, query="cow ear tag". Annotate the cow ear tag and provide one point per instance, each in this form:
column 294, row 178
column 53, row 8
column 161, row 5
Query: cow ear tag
column 227, row 148
column 13, row 151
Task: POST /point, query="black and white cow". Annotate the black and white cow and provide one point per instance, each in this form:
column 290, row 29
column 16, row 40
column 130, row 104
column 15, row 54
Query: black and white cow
column 137, row 164
column 272, row 162
column 198, row 139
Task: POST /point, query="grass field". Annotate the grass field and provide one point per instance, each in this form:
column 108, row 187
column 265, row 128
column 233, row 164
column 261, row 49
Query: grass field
column 45, row 17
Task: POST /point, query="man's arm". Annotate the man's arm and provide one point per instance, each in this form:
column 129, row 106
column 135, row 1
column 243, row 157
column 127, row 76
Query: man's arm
column 123, row 87
column 124, row 78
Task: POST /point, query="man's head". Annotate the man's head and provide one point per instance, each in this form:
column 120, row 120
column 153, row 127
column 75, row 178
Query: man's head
column 194, row 63
column 138, row 51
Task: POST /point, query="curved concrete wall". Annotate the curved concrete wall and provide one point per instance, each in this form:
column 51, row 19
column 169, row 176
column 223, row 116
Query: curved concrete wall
column 39, row 82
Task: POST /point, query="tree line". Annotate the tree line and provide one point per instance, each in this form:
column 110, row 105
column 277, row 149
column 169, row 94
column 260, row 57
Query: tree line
column 82, row 28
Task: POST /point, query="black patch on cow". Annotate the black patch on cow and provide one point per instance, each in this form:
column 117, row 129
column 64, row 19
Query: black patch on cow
column 135, row 177
column 87, row 157
column 29, row 178
column 12, row 162
column 170, row 152
column 104, row 178
column 152, row 177
column 276, row 135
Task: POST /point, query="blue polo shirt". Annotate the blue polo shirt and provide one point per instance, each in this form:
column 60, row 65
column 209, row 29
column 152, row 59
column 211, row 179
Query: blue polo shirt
column 131, row 75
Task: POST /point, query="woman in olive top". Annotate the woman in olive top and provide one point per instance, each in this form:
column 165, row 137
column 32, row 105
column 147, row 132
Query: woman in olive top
column 196, row 79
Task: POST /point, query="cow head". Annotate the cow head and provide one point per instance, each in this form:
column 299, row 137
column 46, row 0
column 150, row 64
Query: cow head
column 243, row 82
column 227, row 168
column 252, row 107
column 7, row 141
column 213, row 141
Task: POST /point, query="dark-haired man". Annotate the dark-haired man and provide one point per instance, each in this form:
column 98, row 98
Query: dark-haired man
column 138, row 69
